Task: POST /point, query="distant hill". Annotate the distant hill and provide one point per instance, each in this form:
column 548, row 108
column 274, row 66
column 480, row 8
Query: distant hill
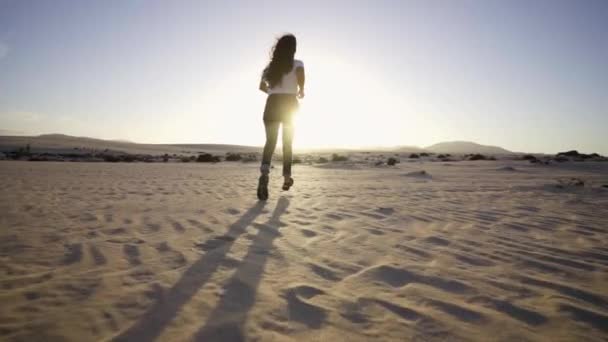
column 409, row 149
column 61, row 143
column 463, row 147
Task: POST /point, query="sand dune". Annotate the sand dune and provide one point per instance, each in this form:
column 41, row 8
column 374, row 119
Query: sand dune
column 466, row 251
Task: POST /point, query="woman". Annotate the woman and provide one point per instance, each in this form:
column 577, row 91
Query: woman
column 283, row 81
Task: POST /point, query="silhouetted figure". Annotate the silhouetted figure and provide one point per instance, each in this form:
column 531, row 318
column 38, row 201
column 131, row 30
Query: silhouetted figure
column 283, row 81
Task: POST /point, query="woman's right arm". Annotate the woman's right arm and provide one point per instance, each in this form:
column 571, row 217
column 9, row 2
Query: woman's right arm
column 301, row 79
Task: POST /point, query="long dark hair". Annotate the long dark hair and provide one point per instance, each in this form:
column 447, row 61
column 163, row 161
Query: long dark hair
column 281, row 61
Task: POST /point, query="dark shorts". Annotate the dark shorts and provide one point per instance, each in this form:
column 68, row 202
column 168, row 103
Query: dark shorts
column 280, row 107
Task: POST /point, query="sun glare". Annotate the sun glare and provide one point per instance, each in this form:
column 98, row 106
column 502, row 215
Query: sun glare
column 345, row 107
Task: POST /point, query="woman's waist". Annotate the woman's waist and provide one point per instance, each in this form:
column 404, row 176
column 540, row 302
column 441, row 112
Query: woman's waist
column 282, row 95
column 283, row 92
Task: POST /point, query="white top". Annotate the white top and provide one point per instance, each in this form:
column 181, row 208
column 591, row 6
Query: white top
column 289, row 83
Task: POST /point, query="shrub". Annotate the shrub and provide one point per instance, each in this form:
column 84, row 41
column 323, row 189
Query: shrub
column 392, row 161
column 21, row 152
column 110, row 158
column 322, row 160
column 233, row 157
column 572, row 153
column 570, row 182
column 207, row 158
column 338, row 158
column 529, row 157
column 296, row 160
column 414, row 155
column 424, row 154
column 250, row 158
column 477, row 156
column 128, row 158
column 444, row 157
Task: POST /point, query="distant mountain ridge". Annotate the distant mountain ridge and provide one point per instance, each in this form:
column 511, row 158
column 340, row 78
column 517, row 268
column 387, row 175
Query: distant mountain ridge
column 61, row 143
column 466, row 147
column 66, row 143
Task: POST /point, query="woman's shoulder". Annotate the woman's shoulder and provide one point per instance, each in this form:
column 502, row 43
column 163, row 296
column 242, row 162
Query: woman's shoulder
column 298, row 63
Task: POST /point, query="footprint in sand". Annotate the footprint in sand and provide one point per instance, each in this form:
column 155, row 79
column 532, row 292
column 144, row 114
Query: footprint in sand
column 473, row 260
column 521, row 314
column 88, row 217
column 328, row 229
column 148, row 228
column 233, row 211
column 375, row 231
column 457, row 311
column 110, row 321
column 335, row 217
column 131, row 254
column 397, row 277
column 308, row 233
column 126, row 240
column 300, row 310
column 73, row 253
column 435, row 240
column 401, row 311
column 324, row 272
column 385, row 211
column 98, row 257
column 200, row 225
column 169, row 256
column 114, row 231
column 178, row 227
column 214, row 243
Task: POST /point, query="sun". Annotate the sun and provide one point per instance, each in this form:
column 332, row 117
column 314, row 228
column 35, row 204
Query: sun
column 346, row 107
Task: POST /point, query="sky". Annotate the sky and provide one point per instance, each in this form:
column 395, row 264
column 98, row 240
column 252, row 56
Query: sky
column 529, row 76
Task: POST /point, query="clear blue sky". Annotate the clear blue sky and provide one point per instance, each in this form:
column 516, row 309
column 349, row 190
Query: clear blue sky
column 525, row 75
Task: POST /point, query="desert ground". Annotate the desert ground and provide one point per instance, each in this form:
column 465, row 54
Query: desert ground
column 464, row 251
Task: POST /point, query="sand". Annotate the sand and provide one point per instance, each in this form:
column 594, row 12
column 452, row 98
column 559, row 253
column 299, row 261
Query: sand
column 466, row 251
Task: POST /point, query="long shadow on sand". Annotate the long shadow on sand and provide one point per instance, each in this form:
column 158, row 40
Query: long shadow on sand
column 152, row 323
column 226, row 321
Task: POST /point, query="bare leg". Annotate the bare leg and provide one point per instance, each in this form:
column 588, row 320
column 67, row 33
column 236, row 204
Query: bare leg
column 287, row 148
column 272, row 131
column 287, row 154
